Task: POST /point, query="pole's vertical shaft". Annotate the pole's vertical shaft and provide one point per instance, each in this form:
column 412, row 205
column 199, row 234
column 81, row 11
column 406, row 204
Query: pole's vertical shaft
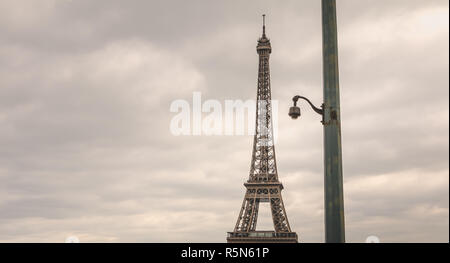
column 334, row 201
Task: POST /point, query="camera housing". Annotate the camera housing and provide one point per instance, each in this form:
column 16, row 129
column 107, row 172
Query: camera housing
column 294, row 112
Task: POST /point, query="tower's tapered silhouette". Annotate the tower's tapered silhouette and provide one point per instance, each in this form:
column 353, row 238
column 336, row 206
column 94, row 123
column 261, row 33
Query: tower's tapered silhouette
column 263, row 184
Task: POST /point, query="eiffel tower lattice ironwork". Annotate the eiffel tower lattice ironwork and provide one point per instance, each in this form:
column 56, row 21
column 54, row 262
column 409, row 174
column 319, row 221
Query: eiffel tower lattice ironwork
column 263, row 184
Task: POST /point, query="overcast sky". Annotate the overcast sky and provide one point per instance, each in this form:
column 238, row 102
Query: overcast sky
column 85, row 92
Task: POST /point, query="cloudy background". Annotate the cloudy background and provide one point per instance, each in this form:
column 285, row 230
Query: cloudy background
column 85, row 91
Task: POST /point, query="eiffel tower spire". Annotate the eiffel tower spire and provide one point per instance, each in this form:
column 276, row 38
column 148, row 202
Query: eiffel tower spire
column 264, row 26
column 263, row 184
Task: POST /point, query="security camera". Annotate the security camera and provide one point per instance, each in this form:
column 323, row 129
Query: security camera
column 294, row 112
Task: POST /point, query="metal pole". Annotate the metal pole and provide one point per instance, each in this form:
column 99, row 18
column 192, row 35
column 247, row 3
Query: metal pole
column 334, row 201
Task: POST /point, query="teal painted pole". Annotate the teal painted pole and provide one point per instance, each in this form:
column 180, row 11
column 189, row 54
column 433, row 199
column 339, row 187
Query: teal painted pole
column 334, row 199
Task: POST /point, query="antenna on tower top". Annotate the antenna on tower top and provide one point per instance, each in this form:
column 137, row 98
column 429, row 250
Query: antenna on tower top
column 264, row 25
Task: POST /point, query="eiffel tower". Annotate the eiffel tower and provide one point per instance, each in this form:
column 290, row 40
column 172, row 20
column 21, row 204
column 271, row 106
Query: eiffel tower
column 263, row 184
